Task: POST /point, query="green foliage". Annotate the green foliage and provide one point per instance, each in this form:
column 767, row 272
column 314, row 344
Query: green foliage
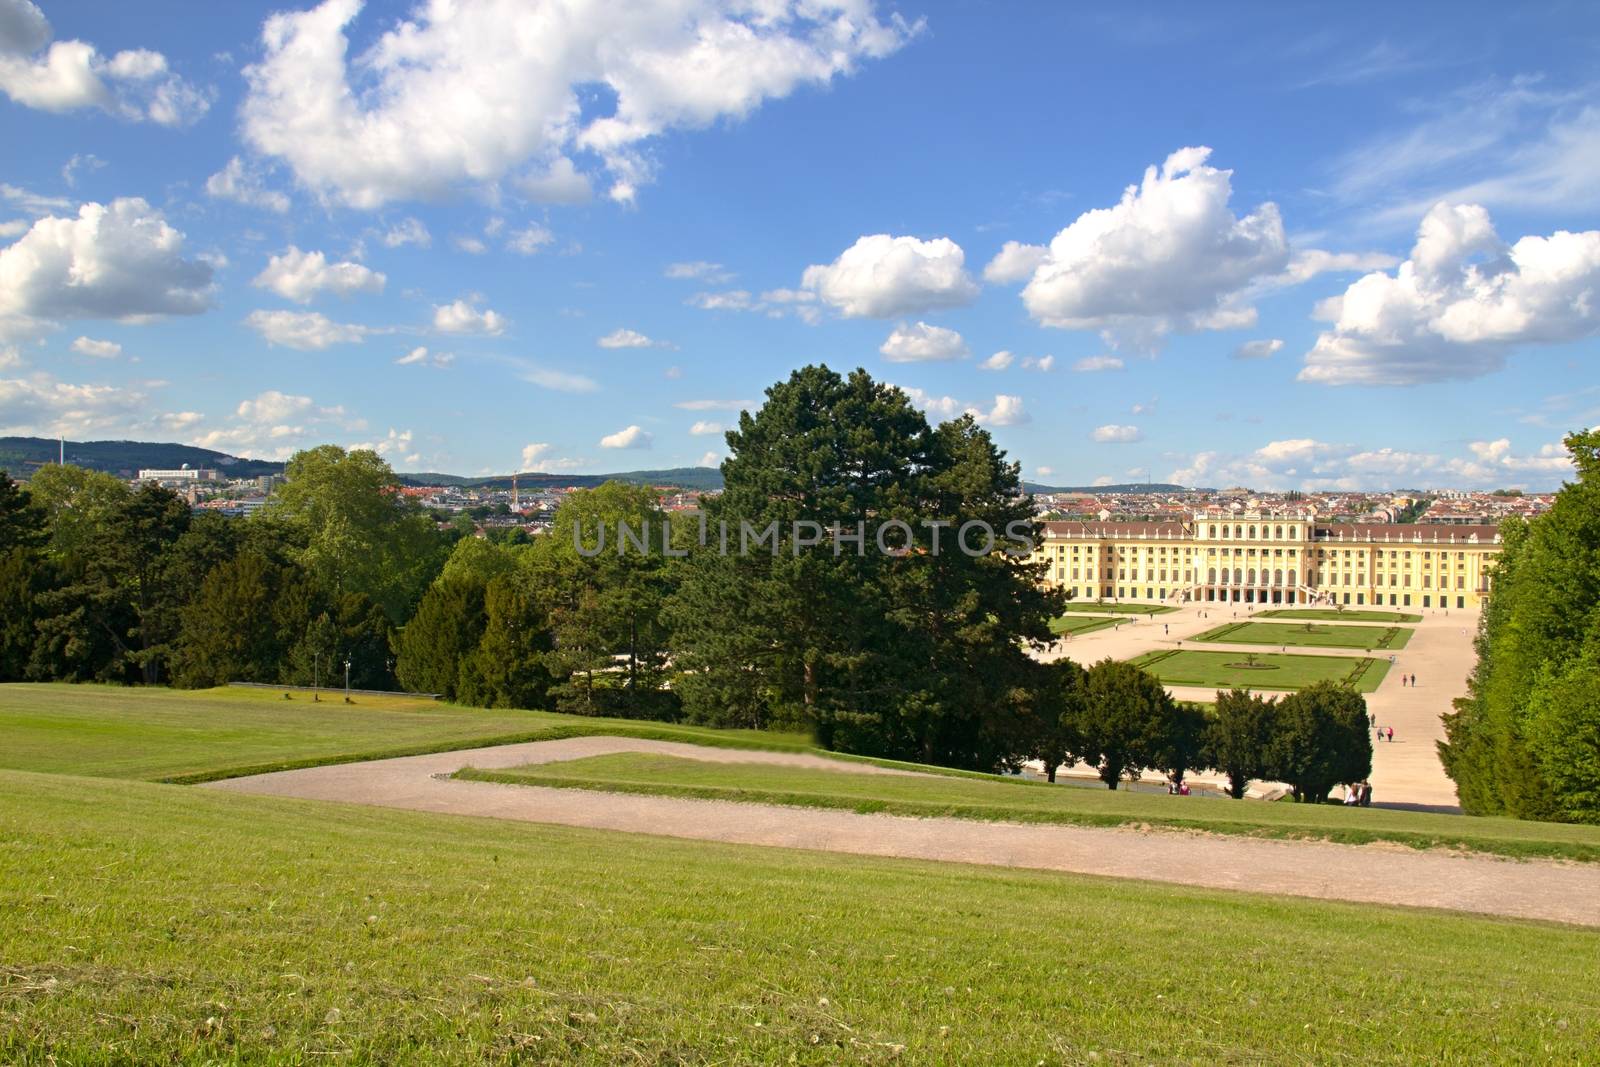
column 1521, row 742
column 434, row 645
column 1236, row 737
column 1319, row 738
column 1049, row 719
column 1126, row 721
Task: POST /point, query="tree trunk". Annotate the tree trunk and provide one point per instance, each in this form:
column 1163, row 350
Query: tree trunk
column 1049, row 772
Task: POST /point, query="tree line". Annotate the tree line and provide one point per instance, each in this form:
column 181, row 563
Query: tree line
column 1525, row 740
column 913, row 654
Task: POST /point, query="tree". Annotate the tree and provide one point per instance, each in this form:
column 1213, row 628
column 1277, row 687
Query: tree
column 229, row 632
column 1049, row 728
column 1237, row 736
column 432, row 647
column 1320, row 738
column 1564, row 737
column 21, row 523
column 1126, row 721
column 1181, row 746
column 508, row 668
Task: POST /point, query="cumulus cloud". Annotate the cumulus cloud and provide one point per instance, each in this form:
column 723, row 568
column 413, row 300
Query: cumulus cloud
column 710, row 459
column 1006, row 410
column 505, row 77
column 1261, row 349
column 1091, row 364
column 529, row 240
column 69, row 75
column 1459, row 305
column 420, row 356
column 703, row 427
column 42, row 405
column 1042, row 364
column 117, row 261
column 463, row 316
column 244, row 184
column 1015, row 262
column 88, row 346
column 1114, row 434
column 624, row 338
column 1170, row 256
column 305, row 330
column 881, row 276
column 408, row 231
column 999, row 361
column 300, row 276
column 274, row 424
column 921, row 343
column 1307, row 463
column 632, row 437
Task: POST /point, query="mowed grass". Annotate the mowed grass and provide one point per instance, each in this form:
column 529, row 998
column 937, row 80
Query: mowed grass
column 1273, row 670
column 1330, row 615
column 1308, row 634
column 1083, row 624
column 165, row 734
column 1020, row 800
column 143, row 923
column 1095, row 607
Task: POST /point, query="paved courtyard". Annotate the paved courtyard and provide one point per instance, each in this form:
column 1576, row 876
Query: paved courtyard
column 1440, row 654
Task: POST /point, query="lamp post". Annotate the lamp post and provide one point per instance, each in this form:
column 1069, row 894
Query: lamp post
column 316, row 664
column 347, row 679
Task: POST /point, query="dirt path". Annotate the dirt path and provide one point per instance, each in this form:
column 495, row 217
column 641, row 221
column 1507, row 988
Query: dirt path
column 1378, row 875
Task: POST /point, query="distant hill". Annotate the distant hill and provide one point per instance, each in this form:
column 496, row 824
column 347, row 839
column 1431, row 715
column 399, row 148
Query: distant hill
column 23, row 455
column 1125, row 487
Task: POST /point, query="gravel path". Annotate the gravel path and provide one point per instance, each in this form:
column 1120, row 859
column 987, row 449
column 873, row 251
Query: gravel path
column 1373, row 874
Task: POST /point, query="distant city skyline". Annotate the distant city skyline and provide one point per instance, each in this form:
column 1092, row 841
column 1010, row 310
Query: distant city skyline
column 1219, row 247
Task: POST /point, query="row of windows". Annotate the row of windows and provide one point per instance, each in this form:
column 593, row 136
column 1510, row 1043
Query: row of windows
column 1274, row 533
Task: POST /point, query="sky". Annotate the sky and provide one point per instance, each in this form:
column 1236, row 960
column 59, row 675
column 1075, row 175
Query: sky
column 1286, row 246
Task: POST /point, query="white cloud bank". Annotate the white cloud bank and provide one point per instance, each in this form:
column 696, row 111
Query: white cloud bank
column 921, row 343
column 1307, row 463
column 1459, row 305
column 881, row 276
column 503, row 77
column 300, row 276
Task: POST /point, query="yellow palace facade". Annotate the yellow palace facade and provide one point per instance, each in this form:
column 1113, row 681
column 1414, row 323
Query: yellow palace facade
column 1258, row 558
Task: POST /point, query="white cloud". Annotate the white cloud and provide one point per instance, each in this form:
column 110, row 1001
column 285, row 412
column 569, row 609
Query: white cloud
column 243, row 184
column 1306, row 264
column 305, row 330
column 464, row 317
column 14, row 227
column 1091, row 364
column 1113, row 434
column 180, row 421
column 1459, row 305
column 1015, row 262
column 715, row 405
column 529, row 240
column 408, row 231
column 420, row 356
column 1006, row 410
column 504, row 79
column 559, row 183
column 1307, row 463
column 624, row 338
column 1042, row 364
column 710, row 459
column 69, row 75
column 1261, row 349
column 537, row 459
column 555, row 380
column 921, row 343
column 88, row 346
column 999, row 361
column 881, row 276
column 79, row 161
column 699, row 269
column 731, row 300
column 274, row 424
column 1044, row 472
column 632, row 437
column 703, row 427
column 300, row 276
column 1170, row 256
column 10, row 358
column 120, row 261
column 395, row 445
column 472, row 246
column 41, row 405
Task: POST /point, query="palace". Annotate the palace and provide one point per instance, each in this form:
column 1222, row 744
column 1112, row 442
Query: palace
column 1224, row 556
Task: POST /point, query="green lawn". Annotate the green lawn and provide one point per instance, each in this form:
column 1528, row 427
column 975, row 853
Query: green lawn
column 1330, row 615
column 119, row 732
column 1021, row 800
column 1113, row 607
column 1309, row 633
column 143, row 923
column 1273, row 670
column 1083, row 624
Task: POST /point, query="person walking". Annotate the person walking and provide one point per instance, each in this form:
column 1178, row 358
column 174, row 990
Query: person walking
column 1391, row 735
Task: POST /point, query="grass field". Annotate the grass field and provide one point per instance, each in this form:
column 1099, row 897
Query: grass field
column 1112, row 607
column 1273, row 670
column 1019, row 800
column 1083, row 624
column 1297, row 634
column 165, row 734
column 142, row 923
column 1330, row 615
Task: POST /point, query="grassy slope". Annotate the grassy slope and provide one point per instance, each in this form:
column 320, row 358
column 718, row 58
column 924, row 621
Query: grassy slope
column 1294, row 634
column 1016, row 800
column 144, row 923
column 1330, row 615
column 195, row 736
column 1212, row 670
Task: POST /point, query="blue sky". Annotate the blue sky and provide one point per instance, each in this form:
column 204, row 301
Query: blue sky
column 554, row 236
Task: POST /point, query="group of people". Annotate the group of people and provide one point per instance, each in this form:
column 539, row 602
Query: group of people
column 1408, row 680
column 1358, row 795
column 1386, row 734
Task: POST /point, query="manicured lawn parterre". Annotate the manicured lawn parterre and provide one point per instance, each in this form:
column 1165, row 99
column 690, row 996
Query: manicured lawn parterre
column 1020, row 800
column 144, row 923
column 1112, row 607
column 1308, row 634
column 1272, row 670
column 1330, row 615
column 1083, row 624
